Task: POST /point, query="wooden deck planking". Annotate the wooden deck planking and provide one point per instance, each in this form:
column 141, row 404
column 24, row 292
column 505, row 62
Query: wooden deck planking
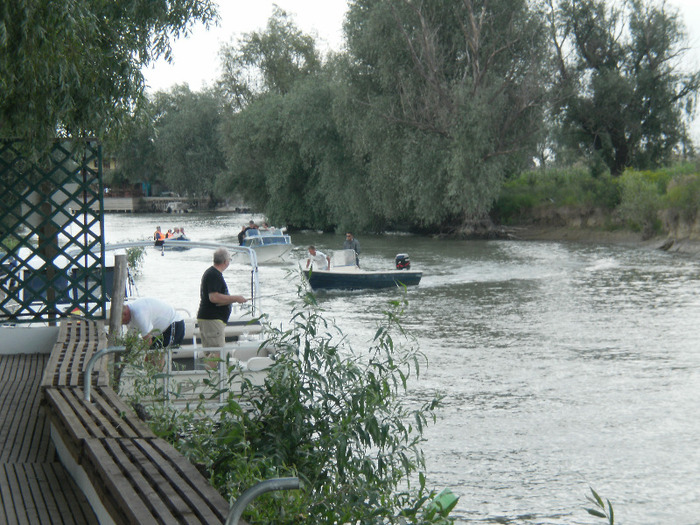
column 77, row 342
column 24, row 434
column 34, row 486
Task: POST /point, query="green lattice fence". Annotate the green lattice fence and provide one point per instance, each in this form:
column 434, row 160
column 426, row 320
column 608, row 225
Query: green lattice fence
column 51, row 233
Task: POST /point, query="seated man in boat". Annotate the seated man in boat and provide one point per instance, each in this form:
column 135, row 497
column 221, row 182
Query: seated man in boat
column 318, row 260
column 158, row 323
column 158, row 236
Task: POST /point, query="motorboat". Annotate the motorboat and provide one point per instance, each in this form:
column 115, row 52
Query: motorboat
column 344, row 274
column 270, row 246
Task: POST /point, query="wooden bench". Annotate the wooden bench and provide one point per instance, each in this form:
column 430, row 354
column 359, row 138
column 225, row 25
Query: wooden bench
column 128, row 474
column 77, row 342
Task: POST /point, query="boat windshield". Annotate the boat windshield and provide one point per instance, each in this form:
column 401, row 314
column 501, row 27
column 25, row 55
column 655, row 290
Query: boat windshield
column 342, row 258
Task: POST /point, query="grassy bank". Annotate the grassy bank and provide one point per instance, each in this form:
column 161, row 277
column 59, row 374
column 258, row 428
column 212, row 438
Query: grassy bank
column 571, row 203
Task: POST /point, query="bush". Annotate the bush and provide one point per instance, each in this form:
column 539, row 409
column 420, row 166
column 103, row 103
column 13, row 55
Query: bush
column 683, row 194
column 642, row 200
column 554, row 188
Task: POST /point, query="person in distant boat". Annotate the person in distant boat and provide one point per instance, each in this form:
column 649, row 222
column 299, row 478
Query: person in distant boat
column 245, row 230
column 215, row 301
column 318, row 260
column 352, row 244
column 158, row 236
column 158, row 323
column 264, row 227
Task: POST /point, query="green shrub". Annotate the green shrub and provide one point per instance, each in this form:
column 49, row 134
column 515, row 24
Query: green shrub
column 333, row 417
column 642, row 200
column 683, row 194
column 554, row 187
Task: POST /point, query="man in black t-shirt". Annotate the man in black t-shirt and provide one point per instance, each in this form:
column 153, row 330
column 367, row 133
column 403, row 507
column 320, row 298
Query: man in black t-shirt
column 215, row 301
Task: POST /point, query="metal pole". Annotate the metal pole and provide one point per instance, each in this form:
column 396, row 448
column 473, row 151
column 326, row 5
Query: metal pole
column 249, row 495
column 87, row 378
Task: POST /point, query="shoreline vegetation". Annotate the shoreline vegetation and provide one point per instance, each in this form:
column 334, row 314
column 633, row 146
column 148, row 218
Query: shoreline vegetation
column 657, row 209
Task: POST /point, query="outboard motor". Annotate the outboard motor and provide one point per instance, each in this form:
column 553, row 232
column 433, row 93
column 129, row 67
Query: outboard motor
column 403, row 262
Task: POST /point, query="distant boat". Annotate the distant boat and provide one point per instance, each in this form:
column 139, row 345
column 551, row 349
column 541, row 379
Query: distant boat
column 348, row 276
column 175, row 243
column 269, row 245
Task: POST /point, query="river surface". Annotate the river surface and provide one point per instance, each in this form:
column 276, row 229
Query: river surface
column 564, row 366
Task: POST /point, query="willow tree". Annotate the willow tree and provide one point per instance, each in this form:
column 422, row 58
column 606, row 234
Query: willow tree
column 270, row 135
column 445, row 98
column 73, row 69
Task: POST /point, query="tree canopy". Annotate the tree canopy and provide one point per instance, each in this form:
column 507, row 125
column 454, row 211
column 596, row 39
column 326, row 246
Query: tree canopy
column 75, row 68
column 627, row 97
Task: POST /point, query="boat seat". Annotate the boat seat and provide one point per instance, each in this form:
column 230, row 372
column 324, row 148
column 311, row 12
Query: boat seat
column 256, row 364
column 235, row 328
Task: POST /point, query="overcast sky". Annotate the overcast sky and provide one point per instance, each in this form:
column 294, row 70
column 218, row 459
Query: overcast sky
column 196, row 58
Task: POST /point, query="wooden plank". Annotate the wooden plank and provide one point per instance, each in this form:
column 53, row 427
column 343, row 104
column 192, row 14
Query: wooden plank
column 122, row 415
column 23, row 430
column 7, row 496
column 202, row 503
column 127, row 495
column 33, row 484
column 24, row 504
column 73, row 506
column 65, row 363
column 48, row 378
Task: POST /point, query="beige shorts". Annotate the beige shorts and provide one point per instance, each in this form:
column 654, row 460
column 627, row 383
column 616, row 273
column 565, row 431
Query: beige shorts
column 212, row 332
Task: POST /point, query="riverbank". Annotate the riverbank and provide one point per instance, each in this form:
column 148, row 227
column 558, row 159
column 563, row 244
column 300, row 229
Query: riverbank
column 539, row 232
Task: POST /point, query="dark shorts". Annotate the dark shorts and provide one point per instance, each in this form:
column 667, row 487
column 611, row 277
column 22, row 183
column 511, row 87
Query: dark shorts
column 171, row 336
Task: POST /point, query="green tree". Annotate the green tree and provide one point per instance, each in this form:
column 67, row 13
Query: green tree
column 267, row 62
column 626, row 99
column 280, row 123
column 445, row 99
column 74, row 68
column 416, row 124
column 135, row 150
column 187, row 139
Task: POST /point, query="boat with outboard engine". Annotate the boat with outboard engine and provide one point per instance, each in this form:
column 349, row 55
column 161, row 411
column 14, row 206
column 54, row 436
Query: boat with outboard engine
column 346, row 275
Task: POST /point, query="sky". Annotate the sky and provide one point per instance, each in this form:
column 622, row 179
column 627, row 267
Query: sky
column 195, row 58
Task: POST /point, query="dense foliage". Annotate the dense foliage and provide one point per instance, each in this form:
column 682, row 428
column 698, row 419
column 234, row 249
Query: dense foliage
column 335, row 418
column 417, row 124
column 626, row 99
column 420, row 119
column 74, row 68
column 651, row 202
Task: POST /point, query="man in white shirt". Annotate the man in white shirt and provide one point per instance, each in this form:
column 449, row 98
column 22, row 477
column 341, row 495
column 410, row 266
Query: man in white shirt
column 157, row 322
column 318, row 260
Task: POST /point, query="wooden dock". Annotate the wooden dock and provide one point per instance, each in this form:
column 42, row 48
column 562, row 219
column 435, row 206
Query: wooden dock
column 68, row 460
column 34, row 485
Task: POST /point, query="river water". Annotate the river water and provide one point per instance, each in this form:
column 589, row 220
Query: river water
column 564, row 365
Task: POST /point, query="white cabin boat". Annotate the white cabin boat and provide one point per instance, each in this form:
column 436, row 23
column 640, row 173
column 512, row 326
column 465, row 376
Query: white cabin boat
column 270, row 246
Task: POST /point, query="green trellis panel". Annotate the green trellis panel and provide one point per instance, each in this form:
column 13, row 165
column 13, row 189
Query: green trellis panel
column 52, row 233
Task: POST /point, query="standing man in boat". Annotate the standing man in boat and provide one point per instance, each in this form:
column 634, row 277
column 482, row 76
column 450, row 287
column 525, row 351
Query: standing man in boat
column 158, row 323
column 352, row 244
column 215, row 301
column 318, row 260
